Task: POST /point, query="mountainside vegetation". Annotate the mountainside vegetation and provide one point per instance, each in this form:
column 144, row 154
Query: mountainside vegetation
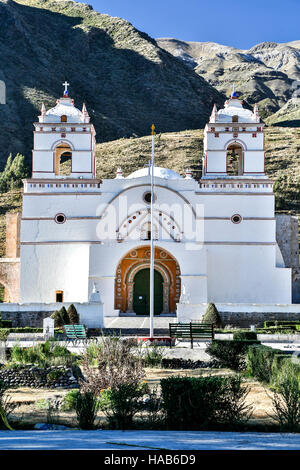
column 267, row 74
column 125, row 79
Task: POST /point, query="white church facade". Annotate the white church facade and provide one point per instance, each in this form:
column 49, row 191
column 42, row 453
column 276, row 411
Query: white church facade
column 86, row 241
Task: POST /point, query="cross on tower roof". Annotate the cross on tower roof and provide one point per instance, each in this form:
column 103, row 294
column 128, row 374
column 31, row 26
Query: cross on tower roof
column 66, row 84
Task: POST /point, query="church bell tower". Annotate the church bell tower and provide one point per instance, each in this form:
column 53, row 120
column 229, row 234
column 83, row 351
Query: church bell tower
column 64, row 142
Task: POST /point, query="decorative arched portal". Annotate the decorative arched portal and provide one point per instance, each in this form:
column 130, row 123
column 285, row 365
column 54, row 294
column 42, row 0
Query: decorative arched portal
column 139, row 259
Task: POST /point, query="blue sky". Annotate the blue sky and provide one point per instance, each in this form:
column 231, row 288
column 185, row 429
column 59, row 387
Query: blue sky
column 240, row 24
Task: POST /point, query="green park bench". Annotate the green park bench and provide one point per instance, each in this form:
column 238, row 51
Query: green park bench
column 75, row 331
column 192, row 331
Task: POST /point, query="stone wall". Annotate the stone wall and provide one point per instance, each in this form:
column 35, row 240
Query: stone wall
column 37, row 377
column 245, row 319
column 21, row 319
column 32, row 314
column 287, row 237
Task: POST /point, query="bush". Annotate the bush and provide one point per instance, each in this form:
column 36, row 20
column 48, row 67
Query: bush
column 4, row 332
column 260, row 360
column 73, row 315
column 58, row 321
column 60, row 317
column 286, row 399
column 154, row 356
column 54, row 375
column 244, row 335
column 86, row 407
column 230, row 354
column 69, row 401
column 212, row 316
column 201, row 402
column 6, row 407
column 121, row 403
column 42, row 354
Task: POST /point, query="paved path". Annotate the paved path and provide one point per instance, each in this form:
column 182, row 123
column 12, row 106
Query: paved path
column 149, row 440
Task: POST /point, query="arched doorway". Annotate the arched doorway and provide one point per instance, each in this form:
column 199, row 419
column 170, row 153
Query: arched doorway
column 141, row 292
column 168, row 279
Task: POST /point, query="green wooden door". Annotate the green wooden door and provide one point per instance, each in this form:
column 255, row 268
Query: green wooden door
column 141, row 292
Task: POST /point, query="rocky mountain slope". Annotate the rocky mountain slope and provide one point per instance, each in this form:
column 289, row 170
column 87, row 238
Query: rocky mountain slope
column 268, row 73
column 126, row 80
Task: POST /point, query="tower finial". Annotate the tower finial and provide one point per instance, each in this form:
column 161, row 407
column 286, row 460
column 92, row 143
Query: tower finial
column 233, row 94
column 43, row 109
column 66, row 91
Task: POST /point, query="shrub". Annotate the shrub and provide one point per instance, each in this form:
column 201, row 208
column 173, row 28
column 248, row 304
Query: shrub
column 64, row 315
column 116, row 364
column 244, row 335
column 6, row 407
column 69, row 401
column 286, row 399
column 54, row 375
column 86, row 407
column 212, row 316
column 58, row 321
column 4, row 332
column 199, row 402
column 230, row 354
column 121, row 403
column 73, row 315
column 260, row 362
column 60, row 317
column 154, row 356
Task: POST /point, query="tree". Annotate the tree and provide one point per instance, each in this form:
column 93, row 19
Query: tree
column 212, row 315
column 15, row 170
column 58, row 322
column 73, row 315
column 64, row 315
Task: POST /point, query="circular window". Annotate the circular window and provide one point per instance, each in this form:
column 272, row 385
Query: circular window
column 236, row 218
column 147, row 197
column 60, row 218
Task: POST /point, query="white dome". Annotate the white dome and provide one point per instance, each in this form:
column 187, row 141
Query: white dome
column 158, row 173
column 65, row 106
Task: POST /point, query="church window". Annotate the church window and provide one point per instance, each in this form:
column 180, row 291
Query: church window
column 60, row 218
column 63, row 118
column 59, row 296
column 235, row 118
column 236, row 219
column 147, row 197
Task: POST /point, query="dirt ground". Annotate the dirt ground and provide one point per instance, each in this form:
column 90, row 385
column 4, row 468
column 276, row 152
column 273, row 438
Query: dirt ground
column 27, row 413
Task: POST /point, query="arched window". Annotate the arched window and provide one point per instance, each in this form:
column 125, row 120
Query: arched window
column 235, row 118
column 63, row 118
column 63, row 159
column 235, row 159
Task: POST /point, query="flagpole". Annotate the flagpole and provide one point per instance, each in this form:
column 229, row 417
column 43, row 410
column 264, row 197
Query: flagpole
column 152, row 253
